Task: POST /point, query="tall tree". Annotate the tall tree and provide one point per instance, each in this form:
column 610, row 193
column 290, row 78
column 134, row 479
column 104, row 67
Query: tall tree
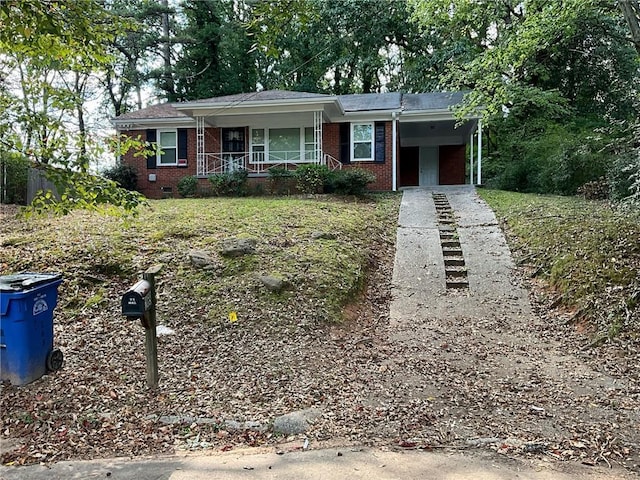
column 335, row 46
column 215, row 57
column 47, row 51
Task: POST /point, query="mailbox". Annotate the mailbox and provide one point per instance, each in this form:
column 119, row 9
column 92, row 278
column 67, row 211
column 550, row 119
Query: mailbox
column 137, row 300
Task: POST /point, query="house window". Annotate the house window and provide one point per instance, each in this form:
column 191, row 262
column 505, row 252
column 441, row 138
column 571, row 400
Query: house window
column 257, row 145
column 168, row 146
column 280, row 145
column 309, row 145
column 362, row 141
column 284, row 144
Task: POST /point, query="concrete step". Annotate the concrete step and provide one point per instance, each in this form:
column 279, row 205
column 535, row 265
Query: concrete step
column 449, row 273
column 453, row 261
column 454, row 283
column 452, row 252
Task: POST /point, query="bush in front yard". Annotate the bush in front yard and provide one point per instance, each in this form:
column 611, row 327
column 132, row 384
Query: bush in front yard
column 126, row 176
column 312, row 177
column 353, row 181
column 281, row 181
column 230, row 184
column 188, row 186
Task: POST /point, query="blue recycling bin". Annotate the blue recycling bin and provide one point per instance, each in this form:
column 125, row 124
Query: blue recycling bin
column 27, row 301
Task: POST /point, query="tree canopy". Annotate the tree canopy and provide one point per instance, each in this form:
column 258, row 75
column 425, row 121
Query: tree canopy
column 557, row 82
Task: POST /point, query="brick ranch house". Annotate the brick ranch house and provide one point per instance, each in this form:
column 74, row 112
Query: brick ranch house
column 404, row 139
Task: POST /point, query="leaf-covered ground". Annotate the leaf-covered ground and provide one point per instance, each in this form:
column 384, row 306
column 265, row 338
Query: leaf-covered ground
column 585, row 256
column 272, row 360
column 520, row 386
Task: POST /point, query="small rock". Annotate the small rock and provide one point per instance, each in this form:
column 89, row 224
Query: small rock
column 273, row 284
column 236, row 247
column 201, row 259
column 296, row 422
column 163, row 330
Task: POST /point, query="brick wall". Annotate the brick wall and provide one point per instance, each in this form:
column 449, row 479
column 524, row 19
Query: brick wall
column 382, row 171
column 167, row 178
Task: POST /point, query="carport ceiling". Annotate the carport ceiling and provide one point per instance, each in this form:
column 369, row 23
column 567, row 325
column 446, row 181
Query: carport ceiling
column 442, row 132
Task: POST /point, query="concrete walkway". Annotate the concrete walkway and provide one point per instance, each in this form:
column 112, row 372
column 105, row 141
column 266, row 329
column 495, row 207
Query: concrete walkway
column 422, row 307
column 419, row 273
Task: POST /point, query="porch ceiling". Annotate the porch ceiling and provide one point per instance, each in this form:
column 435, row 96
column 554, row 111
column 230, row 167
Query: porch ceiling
column 433, row 133
column 262, row 120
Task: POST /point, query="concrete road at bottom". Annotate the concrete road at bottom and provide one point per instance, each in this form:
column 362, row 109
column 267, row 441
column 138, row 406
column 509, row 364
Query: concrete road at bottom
column 331, row 463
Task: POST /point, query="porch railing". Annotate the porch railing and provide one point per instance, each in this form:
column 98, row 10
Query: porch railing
column 257, row 163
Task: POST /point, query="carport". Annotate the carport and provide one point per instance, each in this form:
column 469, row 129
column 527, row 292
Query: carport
column 435, row 148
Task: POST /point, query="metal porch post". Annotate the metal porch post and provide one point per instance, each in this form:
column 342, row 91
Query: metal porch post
column 317, row 136
column 201, row 167
column 471, row 159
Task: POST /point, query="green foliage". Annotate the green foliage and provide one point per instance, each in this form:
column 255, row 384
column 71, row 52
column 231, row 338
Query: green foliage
column 588, row 253
column 230, row 184
column 81, row 190
column 126, row 176
column 352, row 181
column 14, row 175
column 312, row 177
column 215, row 57
column 50, row 51
column 354, row 46
column 188, row 186
column 539, row 155
column 281, row 181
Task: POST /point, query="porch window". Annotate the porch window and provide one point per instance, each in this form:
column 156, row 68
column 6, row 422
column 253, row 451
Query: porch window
column 168, row 147
column 362, row 141
column 283, row 145
column 309, row 145
column 257, row 144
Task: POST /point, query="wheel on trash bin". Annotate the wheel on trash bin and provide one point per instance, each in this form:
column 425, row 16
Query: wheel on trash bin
column 54, row 360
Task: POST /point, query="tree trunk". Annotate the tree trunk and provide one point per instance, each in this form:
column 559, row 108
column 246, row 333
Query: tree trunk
column 167, row 73
column 631, row 12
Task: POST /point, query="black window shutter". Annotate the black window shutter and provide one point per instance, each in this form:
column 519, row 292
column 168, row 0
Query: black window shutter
column 380, row 142
column 151, row 139
column 182, row 147
column 345, row 143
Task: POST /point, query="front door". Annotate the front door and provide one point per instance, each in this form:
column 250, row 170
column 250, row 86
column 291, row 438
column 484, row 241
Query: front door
column 409, row 166
column 233, row 148
column 428, row 166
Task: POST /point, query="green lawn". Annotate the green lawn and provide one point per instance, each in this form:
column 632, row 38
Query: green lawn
column 586, row 251
column 99, row 255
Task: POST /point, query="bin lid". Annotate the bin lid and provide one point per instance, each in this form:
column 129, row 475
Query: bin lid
column 26, row 281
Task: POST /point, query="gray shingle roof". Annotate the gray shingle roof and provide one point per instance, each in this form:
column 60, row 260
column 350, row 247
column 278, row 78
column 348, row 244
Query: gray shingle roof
column 431, row 101
column 264, row 95
column 162, row 110
column 370, row 101
column 351, row 103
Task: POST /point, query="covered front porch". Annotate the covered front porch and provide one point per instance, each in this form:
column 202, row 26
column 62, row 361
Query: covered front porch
column 257, row 148
column 258, row 134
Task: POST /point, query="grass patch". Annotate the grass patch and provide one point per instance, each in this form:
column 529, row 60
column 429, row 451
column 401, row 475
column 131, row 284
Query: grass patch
column 100, row 256
column 587, row 252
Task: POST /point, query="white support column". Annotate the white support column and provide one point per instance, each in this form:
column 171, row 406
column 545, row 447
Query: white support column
column 394, row 151
column 200, row 157
column 479, row 176
column 317, row 136
column 472, row 139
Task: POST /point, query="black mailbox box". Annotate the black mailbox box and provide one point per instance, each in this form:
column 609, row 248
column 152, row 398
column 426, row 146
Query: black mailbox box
column 137, row 300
